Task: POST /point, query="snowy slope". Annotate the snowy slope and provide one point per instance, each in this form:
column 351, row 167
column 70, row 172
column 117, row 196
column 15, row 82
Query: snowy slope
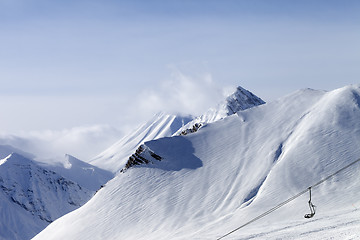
column 208, row 183
column 32, row 197
column 161, row 125
column 239, row 100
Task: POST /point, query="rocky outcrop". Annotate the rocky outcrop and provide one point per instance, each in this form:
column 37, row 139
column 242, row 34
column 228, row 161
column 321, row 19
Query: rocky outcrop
column 142, row 155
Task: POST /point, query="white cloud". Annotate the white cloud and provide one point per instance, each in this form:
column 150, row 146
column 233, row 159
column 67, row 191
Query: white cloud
column 181, row 94
column 82, row 142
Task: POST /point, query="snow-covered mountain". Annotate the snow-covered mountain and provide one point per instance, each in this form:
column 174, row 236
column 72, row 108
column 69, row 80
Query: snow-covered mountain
column 161, row 125
column 241, row 99
column 203, row 185
column 33, row 196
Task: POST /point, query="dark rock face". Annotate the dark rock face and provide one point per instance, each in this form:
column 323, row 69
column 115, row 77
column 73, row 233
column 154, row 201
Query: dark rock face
column 142, row 155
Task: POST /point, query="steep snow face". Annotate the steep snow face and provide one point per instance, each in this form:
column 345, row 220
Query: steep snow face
column 114, row 158
column 217, row 179
column 241, row 99
column 32, row 197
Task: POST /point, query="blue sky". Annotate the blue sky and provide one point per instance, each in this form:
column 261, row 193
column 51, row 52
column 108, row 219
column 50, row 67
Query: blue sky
column 70, row 63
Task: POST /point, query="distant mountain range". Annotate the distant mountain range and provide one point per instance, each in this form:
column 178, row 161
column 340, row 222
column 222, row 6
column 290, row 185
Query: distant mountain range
column 34, row 194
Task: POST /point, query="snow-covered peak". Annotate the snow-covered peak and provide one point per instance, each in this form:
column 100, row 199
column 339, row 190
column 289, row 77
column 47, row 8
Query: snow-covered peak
column 240, row 99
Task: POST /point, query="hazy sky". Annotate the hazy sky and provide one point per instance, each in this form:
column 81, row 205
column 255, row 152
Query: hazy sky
column 71, row 63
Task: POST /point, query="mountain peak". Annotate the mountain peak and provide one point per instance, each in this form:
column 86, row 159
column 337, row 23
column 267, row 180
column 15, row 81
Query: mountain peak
column 241, row 99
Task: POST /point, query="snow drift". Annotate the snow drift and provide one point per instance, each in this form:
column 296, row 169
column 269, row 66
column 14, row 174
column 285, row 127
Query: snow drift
column 232, row 170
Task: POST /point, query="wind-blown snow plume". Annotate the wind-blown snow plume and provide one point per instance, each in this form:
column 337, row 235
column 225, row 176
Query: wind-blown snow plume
column 182, row 94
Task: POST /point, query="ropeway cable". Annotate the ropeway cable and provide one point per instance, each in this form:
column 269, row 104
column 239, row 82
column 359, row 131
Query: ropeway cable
column 288, row 200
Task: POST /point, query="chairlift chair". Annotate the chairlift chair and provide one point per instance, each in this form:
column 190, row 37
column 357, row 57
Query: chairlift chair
column 311, row 206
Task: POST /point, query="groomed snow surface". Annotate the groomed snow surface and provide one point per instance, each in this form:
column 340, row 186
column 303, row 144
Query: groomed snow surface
column 212, row 181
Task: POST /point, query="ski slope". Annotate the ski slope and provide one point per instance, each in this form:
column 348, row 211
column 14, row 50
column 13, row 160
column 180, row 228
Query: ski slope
column 211, row 182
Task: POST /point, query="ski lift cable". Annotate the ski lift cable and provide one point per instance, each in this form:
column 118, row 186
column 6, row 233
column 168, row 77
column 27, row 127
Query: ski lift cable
column 288, row 200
